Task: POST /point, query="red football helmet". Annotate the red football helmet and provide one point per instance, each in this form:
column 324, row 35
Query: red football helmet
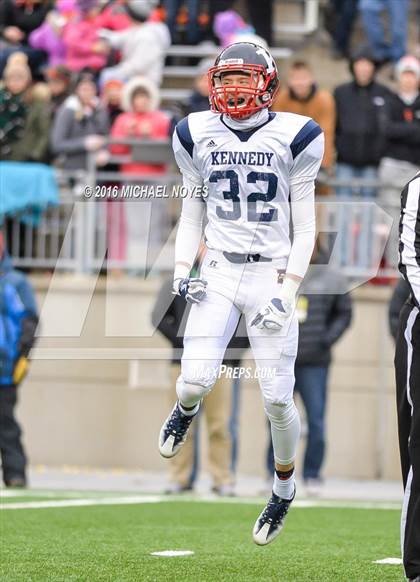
column 244, row 99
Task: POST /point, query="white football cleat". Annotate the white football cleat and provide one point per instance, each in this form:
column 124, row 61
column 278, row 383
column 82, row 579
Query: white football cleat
column 174, row 432
column 271, row 520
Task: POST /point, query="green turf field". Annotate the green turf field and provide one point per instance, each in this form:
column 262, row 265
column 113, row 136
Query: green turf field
column 113, row 543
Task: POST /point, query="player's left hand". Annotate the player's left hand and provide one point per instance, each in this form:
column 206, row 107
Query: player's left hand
column 274, row 315
column 192, row 289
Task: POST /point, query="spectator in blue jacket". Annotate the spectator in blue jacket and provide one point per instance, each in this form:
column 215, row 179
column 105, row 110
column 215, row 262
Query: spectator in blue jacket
column 18, row 322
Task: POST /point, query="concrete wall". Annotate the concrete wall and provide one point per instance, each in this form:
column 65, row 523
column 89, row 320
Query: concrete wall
column 90, row 400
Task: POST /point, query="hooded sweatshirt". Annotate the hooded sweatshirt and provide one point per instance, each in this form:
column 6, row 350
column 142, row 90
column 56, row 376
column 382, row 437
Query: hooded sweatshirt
column 129, row 125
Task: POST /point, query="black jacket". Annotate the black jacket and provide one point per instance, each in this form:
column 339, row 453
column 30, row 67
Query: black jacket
column 358, row 139
column 399, row 297
column 25, row 18
column 324, row 314
column 402, row 130
column 170, row 315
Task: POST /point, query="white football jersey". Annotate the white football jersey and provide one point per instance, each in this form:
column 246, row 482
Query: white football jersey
column 249, row 175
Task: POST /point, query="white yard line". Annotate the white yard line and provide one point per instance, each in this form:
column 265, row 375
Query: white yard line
column 140, row 499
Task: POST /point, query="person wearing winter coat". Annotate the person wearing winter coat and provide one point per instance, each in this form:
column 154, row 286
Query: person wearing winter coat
column 81, row 125
column 143, row 46
column 18, row 323
column 401, row 159
column 359, row 143
column 59, row 80
column 141, row 119
column 84, row 50
column 304, row 97
column 17, row 20
column 49, row 36
column 24, row 115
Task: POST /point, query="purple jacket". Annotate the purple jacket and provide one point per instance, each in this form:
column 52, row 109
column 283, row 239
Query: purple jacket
column 44, row 38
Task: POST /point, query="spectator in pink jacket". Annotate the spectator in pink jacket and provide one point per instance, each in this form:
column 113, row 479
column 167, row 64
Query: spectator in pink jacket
column 137, row 226
column 84, row 49
column 141, row 119
column 49, row 36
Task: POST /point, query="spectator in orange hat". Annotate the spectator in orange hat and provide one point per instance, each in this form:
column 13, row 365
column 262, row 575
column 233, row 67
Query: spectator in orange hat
column 58, row 80
column 111, row 96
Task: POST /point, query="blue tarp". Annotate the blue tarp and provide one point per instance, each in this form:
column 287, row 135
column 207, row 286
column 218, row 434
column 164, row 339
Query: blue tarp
column 26, row 189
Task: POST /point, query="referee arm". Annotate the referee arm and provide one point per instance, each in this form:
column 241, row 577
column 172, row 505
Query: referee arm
column 409, row 247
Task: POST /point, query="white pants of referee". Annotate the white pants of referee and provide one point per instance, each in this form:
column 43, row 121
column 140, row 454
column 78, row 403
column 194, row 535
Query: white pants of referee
column 235, row 288
column 407, row 370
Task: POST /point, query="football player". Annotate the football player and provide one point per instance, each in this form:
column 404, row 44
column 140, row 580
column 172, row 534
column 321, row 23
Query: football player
column 259, row 170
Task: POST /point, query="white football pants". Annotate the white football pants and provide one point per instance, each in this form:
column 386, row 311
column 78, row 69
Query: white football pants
column 234, row 289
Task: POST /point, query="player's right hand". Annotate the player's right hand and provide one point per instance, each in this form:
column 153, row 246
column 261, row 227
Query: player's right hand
column 192, row 289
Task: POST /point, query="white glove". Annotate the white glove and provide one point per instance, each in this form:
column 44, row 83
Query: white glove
column 279, row 310
column 192, row 289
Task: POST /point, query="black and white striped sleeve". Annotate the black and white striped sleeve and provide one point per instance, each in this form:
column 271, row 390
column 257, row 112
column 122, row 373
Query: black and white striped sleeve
column 409, row 243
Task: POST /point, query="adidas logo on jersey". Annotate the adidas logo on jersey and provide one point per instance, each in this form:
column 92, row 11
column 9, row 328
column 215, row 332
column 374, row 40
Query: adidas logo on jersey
column 211, row 144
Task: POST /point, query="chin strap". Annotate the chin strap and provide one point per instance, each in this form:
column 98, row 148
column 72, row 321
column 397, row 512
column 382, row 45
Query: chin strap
column 250, row 123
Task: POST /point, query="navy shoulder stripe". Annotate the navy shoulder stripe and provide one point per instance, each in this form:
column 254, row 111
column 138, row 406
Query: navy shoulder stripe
column 303, row 138
column 184, row 135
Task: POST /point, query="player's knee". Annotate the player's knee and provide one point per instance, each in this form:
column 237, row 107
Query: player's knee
column 193, row 385
column 281, row 414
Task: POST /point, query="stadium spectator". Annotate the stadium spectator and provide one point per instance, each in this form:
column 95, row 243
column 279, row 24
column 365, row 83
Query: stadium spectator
column 303, row 96
column 18, row 322
column 80, row 35
column 169, row 317
column 24, row 119
column 113, row 16
column 324, row 312
column 261, row 16
column 401, row 159
column 143, row 45
column 399, row 296
column 59, row 82
column 111, row 97
column 360, row 107
column 81, row 125
column 48, row 36
column 198, row 99
column 141, row 119
column 372, row 13
column 359, row 144
column 230, row 27
column 339, row 20
column 18, row 18
column 192, row 30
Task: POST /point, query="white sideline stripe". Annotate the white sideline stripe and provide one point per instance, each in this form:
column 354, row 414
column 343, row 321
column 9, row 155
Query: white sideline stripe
column 83, row 502
column 173, row 553
column 391, row 561
column 19, row 493
column 139, row 499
